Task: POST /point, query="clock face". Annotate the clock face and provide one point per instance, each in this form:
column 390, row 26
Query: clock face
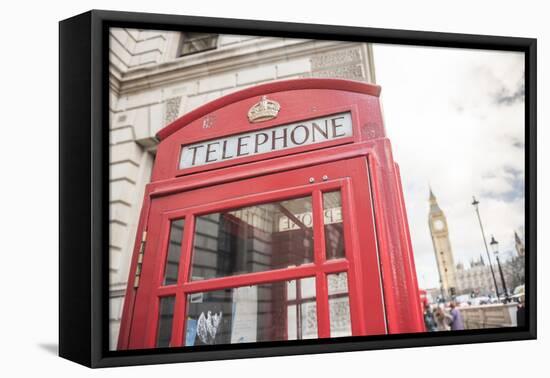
column 439, row 225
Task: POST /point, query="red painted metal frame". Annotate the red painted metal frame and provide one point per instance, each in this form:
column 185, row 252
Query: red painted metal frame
column 383, row 290
column 156, row 257
column 396, row 260
column 265, row 89
column 129, row 299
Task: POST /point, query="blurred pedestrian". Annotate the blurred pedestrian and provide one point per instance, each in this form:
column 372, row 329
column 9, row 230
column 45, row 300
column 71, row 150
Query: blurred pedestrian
column 442, row 319
column 520, row 314
column 457, row 323
column 429, row 320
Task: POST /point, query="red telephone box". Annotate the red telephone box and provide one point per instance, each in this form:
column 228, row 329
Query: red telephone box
column 273, row 213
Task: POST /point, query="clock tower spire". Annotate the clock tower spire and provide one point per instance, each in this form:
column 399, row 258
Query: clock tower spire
column 442, row 248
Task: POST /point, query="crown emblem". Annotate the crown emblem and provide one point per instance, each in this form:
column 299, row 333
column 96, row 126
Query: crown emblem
column 263, row 110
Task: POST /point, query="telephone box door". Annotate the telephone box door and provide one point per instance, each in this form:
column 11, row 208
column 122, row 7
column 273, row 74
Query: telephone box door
column 286, row 256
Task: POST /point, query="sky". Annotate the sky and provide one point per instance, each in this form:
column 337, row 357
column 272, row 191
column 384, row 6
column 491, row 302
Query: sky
column 455, row 119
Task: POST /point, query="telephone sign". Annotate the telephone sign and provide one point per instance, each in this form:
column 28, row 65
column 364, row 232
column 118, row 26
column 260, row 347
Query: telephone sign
column 267, row 140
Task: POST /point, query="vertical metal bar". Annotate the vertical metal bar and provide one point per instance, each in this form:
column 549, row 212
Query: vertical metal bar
column 186, row 250
column 354, row 273
column 323, row 317
column 502, row 279
column 178, row 325
column 298, row 309
column 152, row 326
column 154, row 280
column 180, row 311
column 319, row 253
column 388, row 281
column 476, row 205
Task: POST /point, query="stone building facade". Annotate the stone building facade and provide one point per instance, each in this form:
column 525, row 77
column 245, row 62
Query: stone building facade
column 157, row 76
column 477, row 278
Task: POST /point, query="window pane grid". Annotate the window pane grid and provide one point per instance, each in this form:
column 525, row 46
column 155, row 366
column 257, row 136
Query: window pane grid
column 327, row 263
column 301, row 313
column 274, row 311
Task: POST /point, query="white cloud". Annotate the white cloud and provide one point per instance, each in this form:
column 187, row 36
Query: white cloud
column 448, row 130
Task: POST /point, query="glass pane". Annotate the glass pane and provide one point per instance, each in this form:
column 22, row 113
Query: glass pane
column 166, row 315
column 253, row 239
column 338, row 303
column 198, row 42
column 252, row 313
column 174, row 253
column 334, row 230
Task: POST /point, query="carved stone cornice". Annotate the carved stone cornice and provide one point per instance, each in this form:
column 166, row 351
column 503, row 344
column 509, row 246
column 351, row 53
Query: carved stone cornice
column 228, row 59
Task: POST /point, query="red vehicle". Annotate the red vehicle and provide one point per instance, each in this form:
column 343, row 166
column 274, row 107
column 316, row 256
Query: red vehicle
column 273, row 213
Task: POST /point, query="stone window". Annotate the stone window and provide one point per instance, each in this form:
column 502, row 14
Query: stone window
column 193, row 43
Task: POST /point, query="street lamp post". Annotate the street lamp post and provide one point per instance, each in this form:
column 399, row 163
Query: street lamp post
column 494, row 247
column 475, row 203
column 442, row 291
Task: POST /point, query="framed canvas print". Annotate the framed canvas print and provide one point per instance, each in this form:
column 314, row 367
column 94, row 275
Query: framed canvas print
column 234, row 188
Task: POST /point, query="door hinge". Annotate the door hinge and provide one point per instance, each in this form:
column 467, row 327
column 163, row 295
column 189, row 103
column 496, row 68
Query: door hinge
column 140, row 259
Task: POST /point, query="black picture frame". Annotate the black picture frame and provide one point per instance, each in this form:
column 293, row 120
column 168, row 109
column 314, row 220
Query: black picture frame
column 84, row 185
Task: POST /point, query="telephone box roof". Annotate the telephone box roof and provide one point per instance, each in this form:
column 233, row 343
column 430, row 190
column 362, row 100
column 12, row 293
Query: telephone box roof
column 262, row 89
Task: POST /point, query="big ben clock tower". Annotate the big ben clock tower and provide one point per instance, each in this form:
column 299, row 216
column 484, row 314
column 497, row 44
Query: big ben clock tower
column 442, row 248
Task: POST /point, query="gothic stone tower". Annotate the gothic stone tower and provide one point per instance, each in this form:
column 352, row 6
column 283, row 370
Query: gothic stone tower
column 520, row 247
column 442, row 248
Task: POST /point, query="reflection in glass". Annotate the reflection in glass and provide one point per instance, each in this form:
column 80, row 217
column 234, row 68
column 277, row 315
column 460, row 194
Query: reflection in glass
column 268, row 312
column 174, row 252
column 334, row 231
column 301, row 309
column 166, row 315
column 253, row 239
column 338, row 303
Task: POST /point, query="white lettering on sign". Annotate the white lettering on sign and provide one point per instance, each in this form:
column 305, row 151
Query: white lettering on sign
column 331, row 216
column 283, row 137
